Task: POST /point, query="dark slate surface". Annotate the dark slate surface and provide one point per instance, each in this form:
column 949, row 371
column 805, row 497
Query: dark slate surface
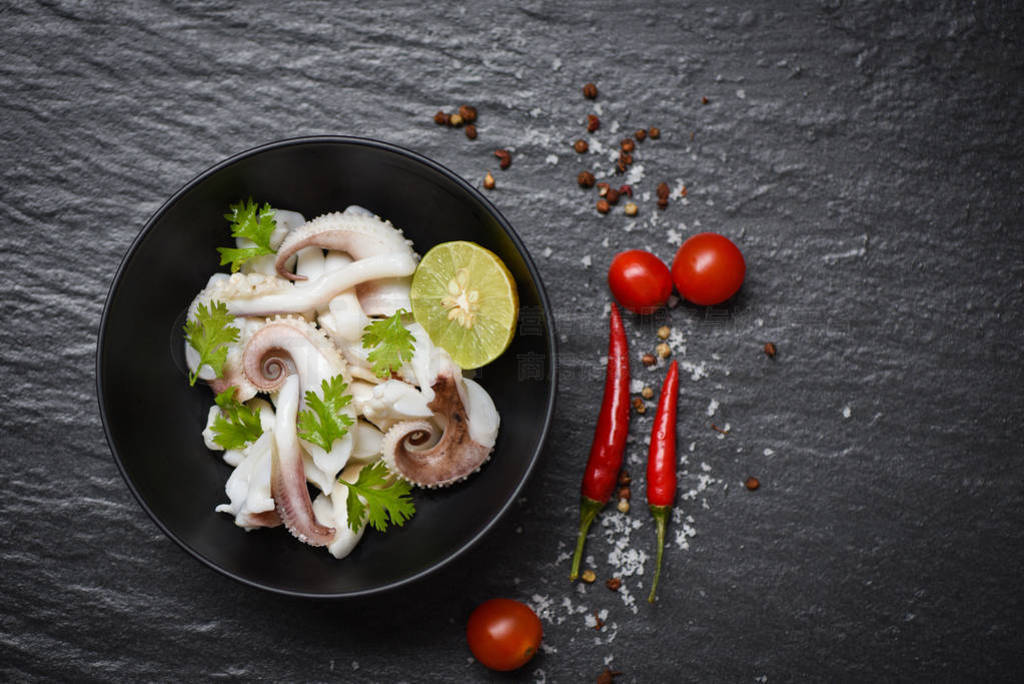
column 866, row 156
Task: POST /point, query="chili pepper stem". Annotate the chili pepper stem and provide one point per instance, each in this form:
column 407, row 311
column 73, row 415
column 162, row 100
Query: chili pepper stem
column 660, row 514
column 589, row 508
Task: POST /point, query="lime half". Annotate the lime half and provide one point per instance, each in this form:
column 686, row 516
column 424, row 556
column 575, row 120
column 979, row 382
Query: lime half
column 465, row 298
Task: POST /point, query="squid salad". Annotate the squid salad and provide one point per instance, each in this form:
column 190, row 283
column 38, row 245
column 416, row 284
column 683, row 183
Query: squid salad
column 332, row 402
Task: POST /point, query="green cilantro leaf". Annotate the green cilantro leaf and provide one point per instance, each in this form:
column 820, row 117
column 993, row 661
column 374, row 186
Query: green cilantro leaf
column 250, row 222
column 210, row 333
column 325, row 422
column 237, row 424
column 392, row 344
column 382, row 495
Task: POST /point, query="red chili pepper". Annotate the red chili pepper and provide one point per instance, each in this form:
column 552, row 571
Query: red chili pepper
column 661, row 463
column 609, row 437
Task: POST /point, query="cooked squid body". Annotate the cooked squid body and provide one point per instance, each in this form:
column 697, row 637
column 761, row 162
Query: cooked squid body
column 301, row 316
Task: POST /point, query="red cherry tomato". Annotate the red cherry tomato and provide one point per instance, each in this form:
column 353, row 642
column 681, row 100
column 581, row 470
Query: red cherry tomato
column 503, row 634
column 708, row 269
column 639, row 281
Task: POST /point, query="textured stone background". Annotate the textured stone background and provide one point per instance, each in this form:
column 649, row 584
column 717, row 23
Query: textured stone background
column 867, row 157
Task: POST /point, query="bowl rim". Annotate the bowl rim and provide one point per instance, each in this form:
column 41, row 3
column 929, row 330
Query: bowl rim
column 549, row 409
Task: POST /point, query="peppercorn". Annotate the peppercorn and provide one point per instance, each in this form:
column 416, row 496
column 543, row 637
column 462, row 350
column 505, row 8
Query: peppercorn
column 455, row 120
column 590, row 91
column 664, row 331
column 663, row 190
column 646, row 393
column 769, row 349
column 602, row 189
column 624, row 478
column 630, row 209
column 626, row 158
column 648, row 360
column 588, row 576
column 624, row 493
column 627, row 145
column 639, row 406
column 654, row 132
column 471, row 132
column 640, row 134
column 614, row 583
column 580, row 146
column 602, row 206
column 664, row 351
column 593, row 123
column 704, row 100
column 467, row 113
column 612, row 196
column 626, row 189
column 504, row 158
column 752, row 483
column 585, row 179
column 662, row 203
column 441, row 119
column 623, row 506
column 489, row 181
column 608, row 676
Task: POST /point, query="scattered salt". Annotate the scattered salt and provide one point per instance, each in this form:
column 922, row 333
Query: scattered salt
column 551, row 159
column 586, row 261
column 768, row 452
column 547, row 252
column 741, row 93
column 712, row 407
column 847, row 412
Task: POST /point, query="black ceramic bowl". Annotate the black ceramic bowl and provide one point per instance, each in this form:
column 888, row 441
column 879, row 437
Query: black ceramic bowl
column 153, row 419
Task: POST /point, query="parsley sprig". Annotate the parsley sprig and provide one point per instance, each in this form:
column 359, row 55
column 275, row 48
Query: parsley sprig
column 325, row 420
column 392, row 344
column 209, row 333
column 250, row 222
column 237, row 424
column 379, row 496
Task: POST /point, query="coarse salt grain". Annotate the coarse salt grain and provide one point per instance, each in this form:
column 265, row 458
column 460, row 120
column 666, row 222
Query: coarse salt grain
column 847, row 412
column 769, row 452
column 551, row 159
column 712, row 407
column 586, row 261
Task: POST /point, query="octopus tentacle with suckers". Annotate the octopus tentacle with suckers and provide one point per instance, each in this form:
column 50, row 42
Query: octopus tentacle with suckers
column 301, row 316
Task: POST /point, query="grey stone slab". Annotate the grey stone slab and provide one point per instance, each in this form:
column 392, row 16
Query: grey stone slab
column 867, row 158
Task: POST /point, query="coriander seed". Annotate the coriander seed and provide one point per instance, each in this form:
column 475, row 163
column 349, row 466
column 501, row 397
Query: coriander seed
column 630, row 209
column 623, row 506
column 646, row 393
column 588, row 576
column 489, row 181
column 664, row 331
column 664, row 351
